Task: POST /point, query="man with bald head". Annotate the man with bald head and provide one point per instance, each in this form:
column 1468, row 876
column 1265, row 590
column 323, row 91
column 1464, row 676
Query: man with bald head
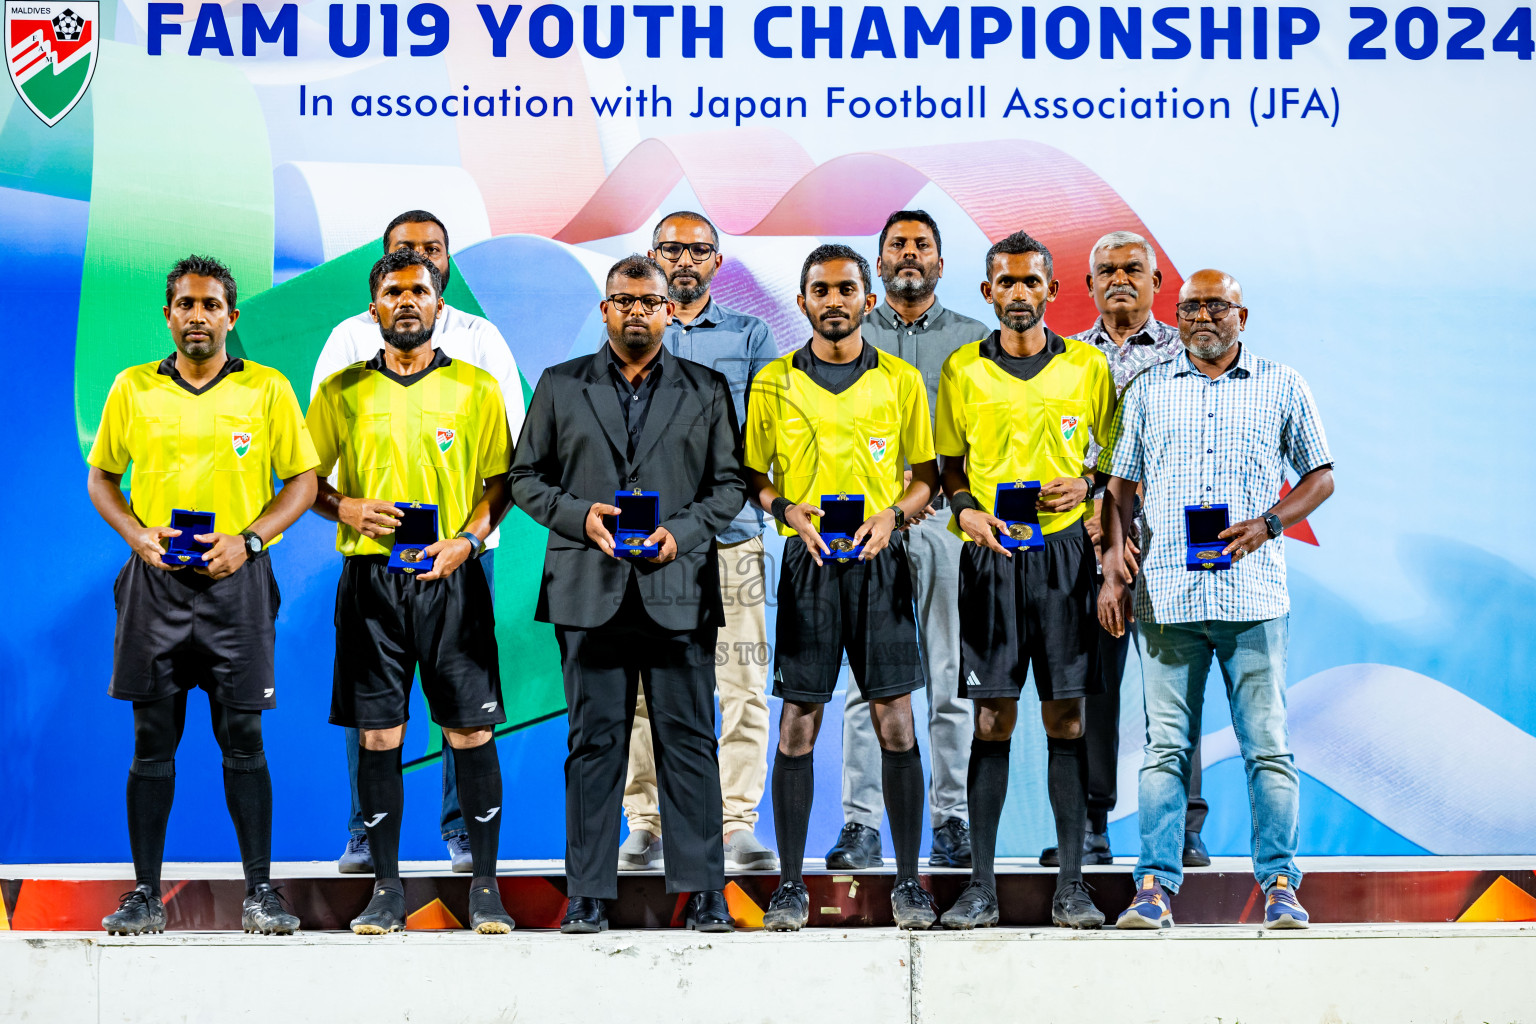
column 1215, row 426
column 1123, row 279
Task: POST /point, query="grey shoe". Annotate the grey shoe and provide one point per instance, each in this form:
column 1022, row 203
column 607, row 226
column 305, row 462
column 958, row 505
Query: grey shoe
column 357, row 858
column 458, row 851
column 743, row 851
column 640, row 852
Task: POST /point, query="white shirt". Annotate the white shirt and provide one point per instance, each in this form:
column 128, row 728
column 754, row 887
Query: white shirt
column 458, row 334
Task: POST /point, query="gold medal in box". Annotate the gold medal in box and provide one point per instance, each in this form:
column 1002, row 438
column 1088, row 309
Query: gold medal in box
column 1017, row 507
column 844, row 514
column 1202, row 529
column 639, row 516
column 416, row 531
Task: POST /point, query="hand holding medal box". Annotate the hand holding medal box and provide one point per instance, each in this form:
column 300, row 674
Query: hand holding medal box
column 1016, row 506
column 1202, row 531
column 185, row 549
column 416, row 532
column 844, row 516
column 639, row 516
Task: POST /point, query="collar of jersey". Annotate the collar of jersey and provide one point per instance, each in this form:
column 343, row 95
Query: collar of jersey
column 804, row 361
column 168, row 369
column 439, row 360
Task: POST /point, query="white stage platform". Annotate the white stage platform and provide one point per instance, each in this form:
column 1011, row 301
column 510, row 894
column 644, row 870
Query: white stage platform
column 1191, row 975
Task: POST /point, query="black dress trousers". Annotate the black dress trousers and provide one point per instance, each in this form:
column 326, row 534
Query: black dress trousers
column 602, row 668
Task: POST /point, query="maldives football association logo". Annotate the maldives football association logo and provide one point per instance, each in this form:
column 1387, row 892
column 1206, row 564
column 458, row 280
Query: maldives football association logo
column 51, row 53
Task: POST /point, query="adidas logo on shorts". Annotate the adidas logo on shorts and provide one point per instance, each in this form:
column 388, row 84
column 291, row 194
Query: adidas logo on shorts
column 489, row 706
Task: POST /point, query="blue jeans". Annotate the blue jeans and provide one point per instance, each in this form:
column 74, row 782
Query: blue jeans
column 1175, row 660
column 453, row 817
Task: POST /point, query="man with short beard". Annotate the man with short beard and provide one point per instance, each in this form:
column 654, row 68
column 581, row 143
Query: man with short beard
column 1123, row 279
column 1021, row 405
column 735, row 345
column 912, row 325
column 470, row 339
column 413, row 426
column 836, row 418
column 1217, row 425
column 632, row 417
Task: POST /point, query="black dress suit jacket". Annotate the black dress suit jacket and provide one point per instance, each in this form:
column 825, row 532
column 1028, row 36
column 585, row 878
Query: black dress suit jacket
column 573, row 451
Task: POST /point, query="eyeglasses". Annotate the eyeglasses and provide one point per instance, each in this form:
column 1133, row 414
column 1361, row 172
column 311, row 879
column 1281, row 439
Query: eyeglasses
column 1216, row 309
column 649, row 303
column 673, row 251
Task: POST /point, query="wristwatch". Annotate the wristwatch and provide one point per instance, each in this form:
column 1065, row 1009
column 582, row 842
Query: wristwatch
column 476, row 545
column 901, row 517
column 1276, row 527
column 254, row 545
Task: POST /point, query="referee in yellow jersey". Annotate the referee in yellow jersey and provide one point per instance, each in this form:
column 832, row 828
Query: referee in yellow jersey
column 413, row 425
column 840, row 417
column 204, row 432
column 1018, row 406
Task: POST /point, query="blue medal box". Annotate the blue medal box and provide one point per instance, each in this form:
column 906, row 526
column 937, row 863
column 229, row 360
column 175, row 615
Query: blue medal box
column 416, row 531
column 184, row 550
column 844, row 514
column 1202, row 526
column 639, row 516
column 1017, row 507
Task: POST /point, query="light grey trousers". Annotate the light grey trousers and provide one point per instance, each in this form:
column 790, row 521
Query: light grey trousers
column 934, row 555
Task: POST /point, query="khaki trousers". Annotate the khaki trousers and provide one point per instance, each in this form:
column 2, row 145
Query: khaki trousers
column 742, row 658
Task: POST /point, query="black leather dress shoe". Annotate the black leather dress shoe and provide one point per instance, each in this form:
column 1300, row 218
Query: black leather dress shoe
column 951, row 845
column 1195, row 853
column 585, row 915
column 707, row 912
column 857, row 847
column 1095, row 851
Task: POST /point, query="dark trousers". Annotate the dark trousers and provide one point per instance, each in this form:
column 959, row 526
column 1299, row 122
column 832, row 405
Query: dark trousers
column 1101, row 730
column 603, row 669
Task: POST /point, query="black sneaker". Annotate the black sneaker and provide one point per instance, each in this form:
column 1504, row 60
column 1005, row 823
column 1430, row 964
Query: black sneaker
column 1195, row 853
column 138, row 912
column 976, row 908
column 385, row 913
column 913, row 906
column 1095, row 851
column 486, row 914
column 857, row 847
column 788, row 908
column 1073, row 907
column 263, row 913
column 951, row 845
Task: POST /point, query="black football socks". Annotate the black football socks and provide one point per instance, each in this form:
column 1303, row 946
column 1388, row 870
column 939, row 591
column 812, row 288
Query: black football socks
column 1067, row 783
column 248, row 793
column 794, row 783
column 901, row 776
column 478, row 773
column 986, row 787
column 381, row 795
column 151, row 788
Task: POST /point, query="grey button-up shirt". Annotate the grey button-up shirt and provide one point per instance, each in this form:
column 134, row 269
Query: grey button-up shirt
column 736, row 345
column 926, row 343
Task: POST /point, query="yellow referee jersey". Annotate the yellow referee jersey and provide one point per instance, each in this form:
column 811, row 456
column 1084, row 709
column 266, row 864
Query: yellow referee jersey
column 433, row 437
column 211, row 450
column 859, row 440
column 1010, row 429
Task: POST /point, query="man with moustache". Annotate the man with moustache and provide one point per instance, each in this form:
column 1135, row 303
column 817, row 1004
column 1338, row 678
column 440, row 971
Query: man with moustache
column 1021, row 405
column 735, row 345
column 1217, row 425
column 912, row 325
column 1123, row 279
column 840, row 417
column 470, row 339
column 207, row 432
column 633, row 417
column 413, row 425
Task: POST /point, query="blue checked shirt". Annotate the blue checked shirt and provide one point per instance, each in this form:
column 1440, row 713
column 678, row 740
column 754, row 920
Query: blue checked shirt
column 1155, row 343
column 1191, row 439
column 736, row 345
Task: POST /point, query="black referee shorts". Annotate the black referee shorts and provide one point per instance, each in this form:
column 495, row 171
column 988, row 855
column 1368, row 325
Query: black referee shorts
column 177, row 629
column 1038, row 608
column 863, row 608
column 388, row 625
